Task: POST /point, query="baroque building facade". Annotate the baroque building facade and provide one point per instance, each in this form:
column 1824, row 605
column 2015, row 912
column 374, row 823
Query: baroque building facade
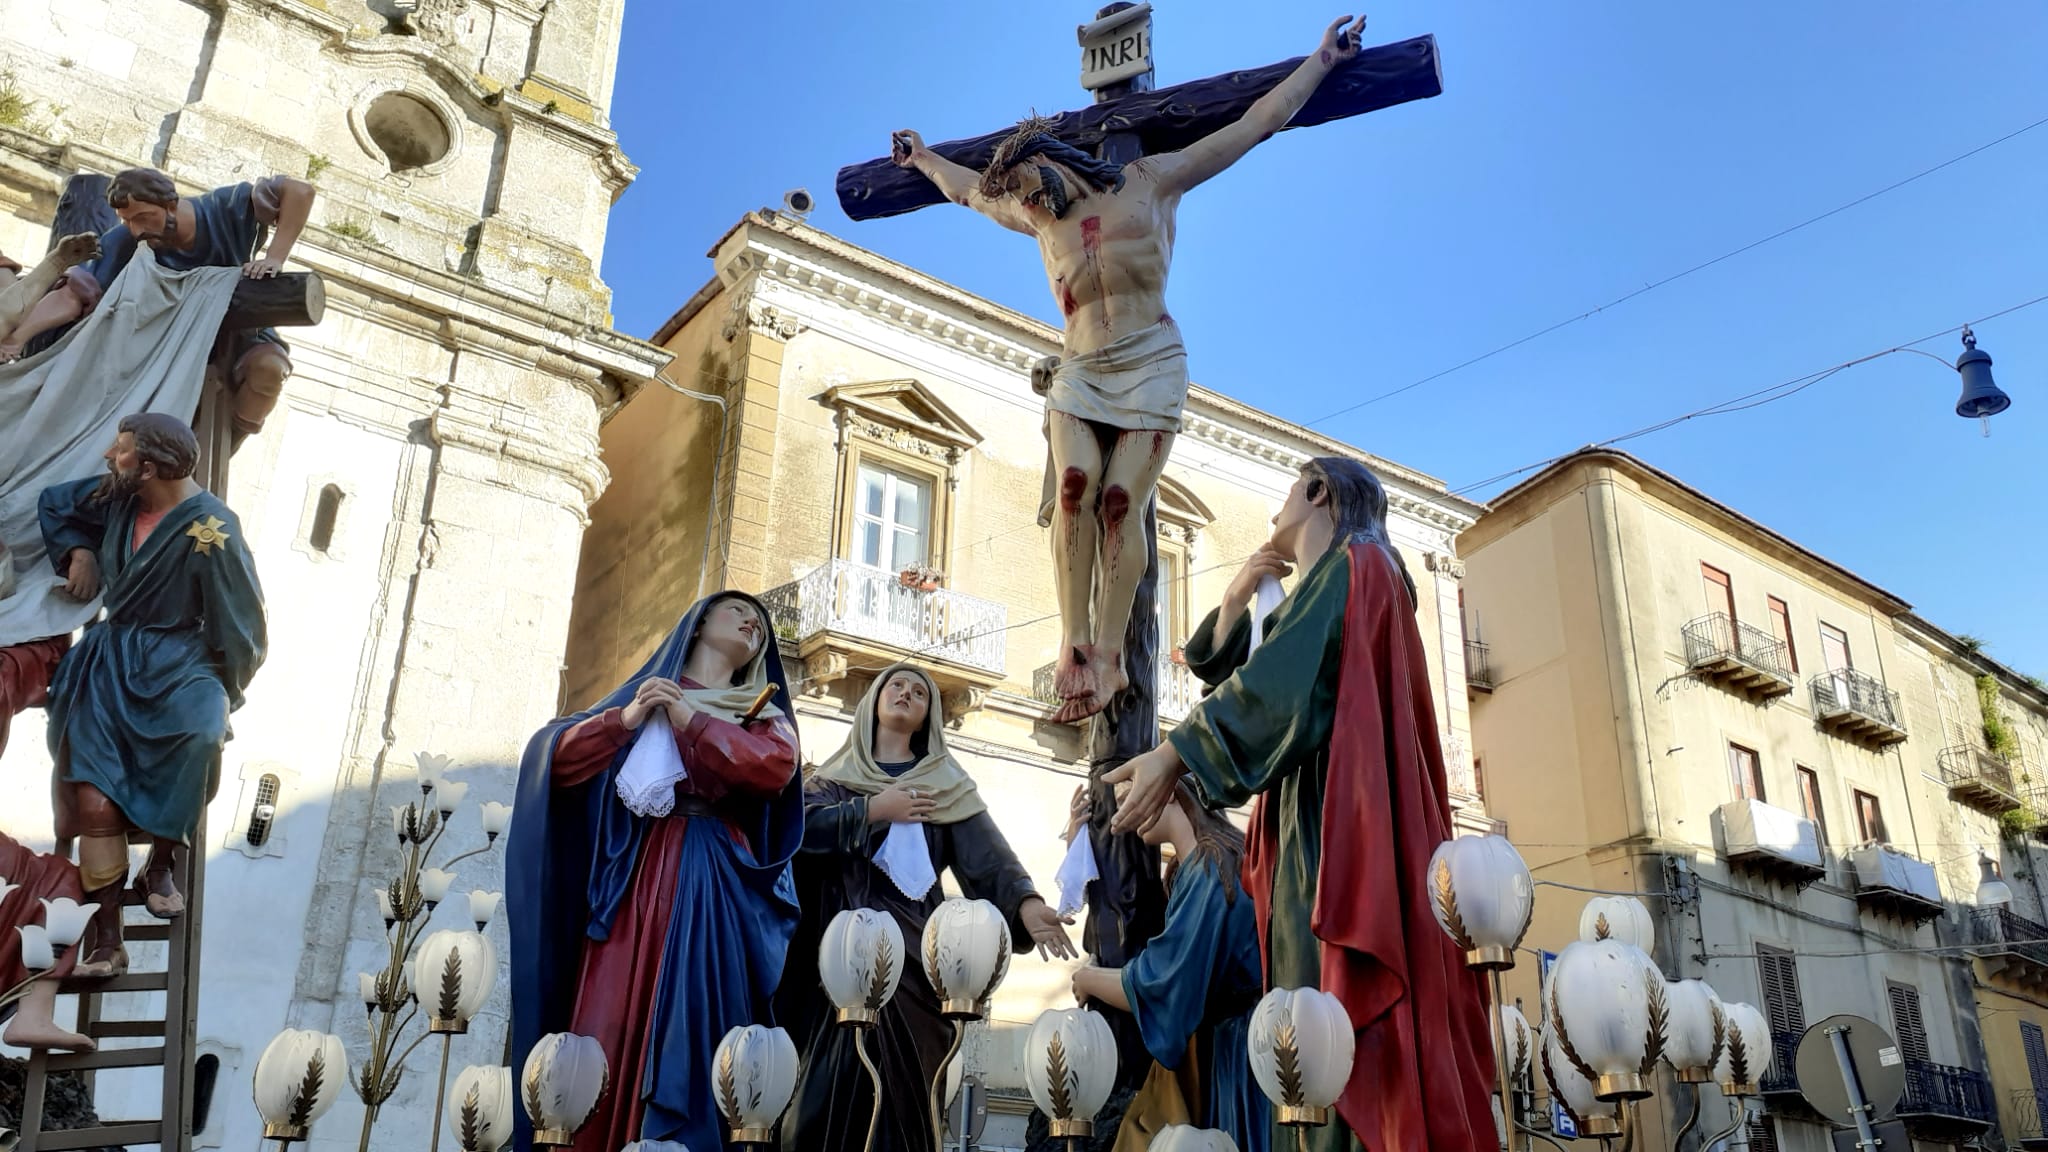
column 858, row 443
column 416, row 502
column 1803, row 774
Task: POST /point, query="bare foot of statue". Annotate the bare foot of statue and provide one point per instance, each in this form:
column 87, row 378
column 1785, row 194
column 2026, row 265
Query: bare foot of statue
column 9, row 352
column 1070, row 673
column 1099, row 680
column 35, row 1023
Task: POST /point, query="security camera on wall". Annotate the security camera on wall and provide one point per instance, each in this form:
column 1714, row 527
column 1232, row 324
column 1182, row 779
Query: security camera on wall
column 798, row 203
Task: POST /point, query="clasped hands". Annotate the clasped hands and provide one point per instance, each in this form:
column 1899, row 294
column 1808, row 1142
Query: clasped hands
column 656, row 693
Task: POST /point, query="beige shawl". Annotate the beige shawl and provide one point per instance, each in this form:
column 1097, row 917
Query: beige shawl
column 937, row 774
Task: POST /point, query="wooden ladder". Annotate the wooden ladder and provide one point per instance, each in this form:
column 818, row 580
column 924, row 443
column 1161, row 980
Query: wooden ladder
column 174, row 1032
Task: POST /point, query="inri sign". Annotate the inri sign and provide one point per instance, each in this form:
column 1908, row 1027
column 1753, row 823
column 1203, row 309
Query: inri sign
column 1116, row 47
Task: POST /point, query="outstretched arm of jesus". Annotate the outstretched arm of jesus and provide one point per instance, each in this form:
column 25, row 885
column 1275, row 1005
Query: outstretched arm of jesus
column 1182, row 170
column 961, row 184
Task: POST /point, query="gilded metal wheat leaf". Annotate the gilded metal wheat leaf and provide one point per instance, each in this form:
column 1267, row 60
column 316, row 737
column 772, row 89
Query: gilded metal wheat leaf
column 451, row 985
column 728, row 1092
column 1550, row 1077
column 1056, row 1079
column 931, row 966
column 1660, row 1017
column 1601, row 928
column 1287, row 1066
column 878, row 980
column 532, row 1088
column 309, row 1090
column 1720, row 1019
column 1447, row 905
column 472, row 1120
column 1738, row 1057
column 1564, row 1042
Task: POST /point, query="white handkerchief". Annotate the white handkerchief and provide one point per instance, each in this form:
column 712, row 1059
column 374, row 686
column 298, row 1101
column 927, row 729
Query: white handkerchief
column 653, row 768
column 1076, row 871
column 906, row 858
column 1264, row 599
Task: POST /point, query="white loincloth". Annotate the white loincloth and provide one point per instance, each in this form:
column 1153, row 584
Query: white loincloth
column 1137, row 382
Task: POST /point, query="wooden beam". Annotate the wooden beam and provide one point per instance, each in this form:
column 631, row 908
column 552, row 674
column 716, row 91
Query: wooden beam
column 1167, row 119
column 287, row 300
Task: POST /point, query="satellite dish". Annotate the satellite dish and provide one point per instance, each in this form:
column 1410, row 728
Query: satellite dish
column 1879, row 1067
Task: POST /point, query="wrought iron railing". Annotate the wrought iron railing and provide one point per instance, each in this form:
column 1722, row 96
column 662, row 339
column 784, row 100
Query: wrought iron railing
column 2028, row 1106
column 1969, row 764
column 1851, row 691
column 1478, row 665
column 1711, row 639
column 1948, row 1091
column 1781, row 1076
column 873, row 604
column 2002, row 930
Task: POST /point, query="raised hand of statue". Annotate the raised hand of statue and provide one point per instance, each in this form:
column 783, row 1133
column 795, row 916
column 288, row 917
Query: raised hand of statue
column 1340, row 43
column 1152, row 777
column 904, row 147
column 1047, row 929
column 82, row 579
column 1267, row 561
column 262, row 268
column 900, row 804
column 654, row 692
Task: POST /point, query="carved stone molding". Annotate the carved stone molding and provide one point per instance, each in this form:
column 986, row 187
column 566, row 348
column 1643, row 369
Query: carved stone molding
column 962, row 700
column 746, row 313
column 436, row 20
column 1444, row 564
column 821, row 669
column 469, row 420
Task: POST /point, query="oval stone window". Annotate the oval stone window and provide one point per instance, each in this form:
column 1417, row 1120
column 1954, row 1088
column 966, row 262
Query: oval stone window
column 408, row 130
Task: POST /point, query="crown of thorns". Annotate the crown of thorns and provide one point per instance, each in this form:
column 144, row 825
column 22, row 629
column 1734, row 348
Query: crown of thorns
column 1033, row 138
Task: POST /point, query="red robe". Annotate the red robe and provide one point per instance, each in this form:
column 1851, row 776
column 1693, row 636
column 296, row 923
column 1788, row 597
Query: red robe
column 25, row 671
column 620, row 974
column 1331, row 725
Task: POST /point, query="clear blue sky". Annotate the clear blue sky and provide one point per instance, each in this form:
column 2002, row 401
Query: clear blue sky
column 1579, row 151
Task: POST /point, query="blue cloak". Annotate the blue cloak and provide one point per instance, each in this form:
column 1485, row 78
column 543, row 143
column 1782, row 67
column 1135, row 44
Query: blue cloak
column 569, row 864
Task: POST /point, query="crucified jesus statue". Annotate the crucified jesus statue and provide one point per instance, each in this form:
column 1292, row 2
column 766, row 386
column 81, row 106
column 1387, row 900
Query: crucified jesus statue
column 1114, row 398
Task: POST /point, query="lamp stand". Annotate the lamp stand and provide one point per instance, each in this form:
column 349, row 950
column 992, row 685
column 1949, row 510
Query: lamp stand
column 939, row 1079
column 1500, row 1067
column 441, row 1091
column 860, row 1048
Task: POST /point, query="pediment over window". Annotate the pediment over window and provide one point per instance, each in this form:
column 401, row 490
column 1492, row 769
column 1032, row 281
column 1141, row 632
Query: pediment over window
column 902, row 406
column 1178, row 505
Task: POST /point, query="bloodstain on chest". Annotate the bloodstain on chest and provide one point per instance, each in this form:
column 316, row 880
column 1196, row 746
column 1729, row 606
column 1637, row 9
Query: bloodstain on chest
column 1091, row 252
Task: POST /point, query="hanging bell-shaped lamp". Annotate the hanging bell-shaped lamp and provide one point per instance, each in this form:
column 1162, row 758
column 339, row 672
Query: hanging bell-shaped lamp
column 1070, row 1067
column 1992, row 890
column 1981, row 398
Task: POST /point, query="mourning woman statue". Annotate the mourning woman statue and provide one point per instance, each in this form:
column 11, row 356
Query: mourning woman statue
column 648, row 875
column 1193, row 988
column 882, row 819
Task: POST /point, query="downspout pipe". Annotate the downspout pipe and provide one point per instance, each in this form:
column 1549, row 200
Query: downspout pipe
column 717, row 472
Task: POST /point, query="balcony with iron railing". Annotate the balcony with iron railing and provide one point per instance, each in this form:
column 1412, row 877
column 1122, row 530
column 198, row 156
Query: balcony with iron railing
column 2011, row 949
column 1981, row 778
column 1858, row 708
column 845, row 617
column 1478, row 667
column 1781, row 1079
column 1946, row 1099
column 1747, row 661
column 2028, row 1106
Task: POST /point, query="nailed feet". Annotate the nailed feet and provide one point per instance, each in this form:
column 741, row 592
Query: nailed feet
column 1087, row 679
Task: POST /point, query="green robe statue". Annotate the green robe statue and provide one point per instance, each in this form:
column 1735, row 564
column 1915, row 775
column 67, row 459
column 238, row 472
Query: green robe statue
column 139, row 709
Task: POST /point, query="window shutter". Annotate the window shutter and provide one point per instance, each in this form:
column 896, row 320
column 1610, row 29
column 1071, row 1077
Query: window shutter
column 1780, row 978
column 1906, row 1021
column 2037, row 1055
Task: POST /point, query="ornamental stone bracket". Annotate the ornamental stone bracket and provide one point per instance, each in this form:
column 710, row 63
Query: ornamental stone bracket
column 746, row 313
column 1444, row 564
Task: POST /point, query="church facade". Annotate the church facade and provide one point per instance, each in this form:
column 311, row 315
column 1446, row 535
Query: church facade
column 858, row 443
column 416, row 502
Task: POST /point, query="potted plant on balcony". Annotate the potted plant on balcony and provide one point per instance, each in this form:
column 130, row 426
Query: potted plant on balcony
column 920, row 578
column 1177, row 656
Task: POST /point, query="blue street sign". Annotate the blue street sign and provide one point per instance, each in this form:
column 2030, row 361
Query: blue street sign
column 1560, row 1120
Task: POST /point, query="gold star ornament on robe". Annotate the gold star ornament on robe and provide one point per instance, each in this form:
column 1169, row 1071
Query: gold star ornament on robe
column 207, row 534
